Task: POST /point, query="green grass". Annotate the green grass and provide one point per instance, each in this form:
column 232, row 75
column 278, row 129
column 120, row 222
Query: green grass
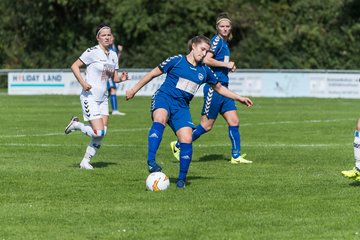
column 293, row 190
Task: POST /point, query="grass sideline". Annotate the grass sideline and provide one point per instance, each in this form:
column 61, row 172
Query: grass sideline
column 293, row 190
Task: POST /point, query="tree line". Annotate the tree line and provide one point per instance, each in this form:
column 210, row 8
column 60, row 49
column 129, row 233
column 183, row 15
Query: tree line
column 267, row 34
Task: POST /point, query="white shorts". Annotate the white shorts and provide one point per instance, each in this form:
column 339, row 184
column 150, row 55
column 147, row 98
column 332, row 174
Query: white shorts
column 93, row 109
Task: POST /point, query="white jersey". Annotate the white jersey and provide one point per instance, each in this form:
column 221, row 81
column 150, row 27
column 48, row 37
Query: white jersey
column 99, row 68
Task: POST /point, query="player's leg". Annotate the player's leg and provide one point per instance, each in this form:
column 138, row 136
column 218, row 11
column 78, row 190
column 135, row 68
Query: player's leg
column 181, row 123
column 355, row 172
column 209, row 113
column 99, row 130
column 210, row 110
column 185, row 141
column 229, row 113
column 113, row 98
column 160, row 117
column 97, row 114
column 91, row 110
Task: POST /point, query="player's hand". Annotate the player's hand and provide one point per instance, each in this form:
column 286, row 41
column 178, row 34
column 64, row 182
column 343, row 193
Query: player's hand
column 231, row 66
column 86, row 86
column 124, row 76
column 129, row 94
column 246, row 101
column 120, row 48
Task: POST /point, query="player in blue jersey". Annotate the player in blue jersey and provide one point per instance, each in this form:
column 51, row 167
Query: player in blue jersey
column 111, row 85
column 170, row 103
column 218, row 58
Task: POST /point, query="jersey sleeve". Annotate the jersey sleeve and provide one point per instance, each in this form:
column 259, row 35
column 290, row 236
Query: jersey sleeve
column 211, row 77
column 87, row 56
column 169, row 63
column 215, row 45
column 115, row 60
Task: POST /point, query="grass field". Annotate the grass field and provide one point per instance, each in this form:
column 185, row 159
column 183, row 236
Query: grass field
column 293, row 190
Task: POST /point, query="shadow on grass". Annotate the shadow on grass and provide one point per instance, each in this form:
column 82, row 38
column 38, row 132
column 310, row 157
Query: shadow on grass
column 213, row 157
column 355, row 184
column 98, row 164
column 189, row 179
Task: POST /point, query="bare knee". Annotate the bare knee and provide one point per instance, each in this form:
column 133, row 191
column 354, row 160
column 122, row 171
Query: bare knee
column 160, row 120
column 233, row 122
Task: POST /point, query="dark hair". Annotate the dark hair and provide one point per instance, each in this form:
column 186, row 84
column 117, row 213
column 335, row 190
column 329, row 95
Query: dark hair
column 99, row 27
column 196, row 40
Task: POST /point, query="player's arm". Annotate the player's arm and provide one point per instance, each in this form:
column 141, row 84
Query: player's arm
column 145, row 80
column 75, row 68
column 230, row 94
column 212, row 62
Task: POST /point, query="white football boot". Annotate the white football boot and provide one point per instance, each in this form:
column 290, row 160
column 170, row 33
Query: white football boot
column 71, row 126
column 85, row 164
column 116, row 112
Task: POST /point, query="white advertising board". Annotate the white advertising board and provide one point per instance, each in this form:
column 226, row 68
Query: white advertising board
column 247, row 83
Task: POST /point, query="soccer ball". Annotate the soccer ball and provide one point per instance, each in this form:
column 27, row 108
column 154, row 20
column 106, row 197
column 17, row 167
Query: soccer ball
column 157, row 181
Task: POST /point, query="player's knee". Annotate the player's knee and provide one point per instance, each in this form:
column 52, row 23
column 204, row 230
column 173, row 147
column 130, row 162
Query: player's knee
column 207, row 126
column 161, row 120
column 234, row 122
column 186, row 139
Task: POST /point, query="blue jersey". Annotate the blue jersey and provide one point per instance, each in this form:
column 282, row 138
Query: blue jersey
column 183, row 79
column 221, row 51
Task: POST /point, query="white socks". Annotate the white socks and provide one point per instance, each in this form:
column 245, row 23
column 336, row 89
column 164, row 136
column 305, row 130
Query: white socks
column 357, row 149
column 92, row 148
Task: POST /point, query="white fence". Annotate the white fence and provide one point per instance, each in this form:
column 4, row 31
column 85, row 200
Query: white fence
column 259, row 83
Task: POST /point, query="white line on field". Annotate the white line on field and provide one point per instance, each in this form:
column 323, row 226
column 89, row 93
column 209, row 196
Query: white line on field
column 62, row 133
column 147, row 128
column 263, row 145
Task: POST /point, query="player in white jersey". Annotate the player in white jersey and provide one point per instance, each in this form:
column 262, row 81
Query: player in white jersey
column 354, row 173
column 101, row 64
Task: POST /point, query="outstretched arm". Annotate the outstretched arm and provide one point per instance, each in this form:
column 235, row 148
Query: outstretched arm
column 146, row 79
column 230, row 94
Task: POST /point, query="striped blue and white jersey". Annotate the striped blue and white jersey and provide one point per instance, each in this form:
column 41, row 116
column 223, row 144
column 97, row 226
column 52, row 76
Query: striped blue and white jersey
column 183, row 79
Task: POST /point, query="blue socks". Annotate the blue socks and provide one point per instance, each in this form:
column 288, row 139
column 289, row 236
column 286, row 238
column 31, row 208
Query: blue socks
column 154, row 140
column 113, row 101
column 185, row 159
column 234, row 136
column 197, row 132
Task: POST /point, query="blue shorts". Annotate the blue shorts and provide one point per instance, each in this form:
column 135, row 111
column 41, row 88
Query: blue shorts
column 111, row 84
column 215, row 103
column 178, row 110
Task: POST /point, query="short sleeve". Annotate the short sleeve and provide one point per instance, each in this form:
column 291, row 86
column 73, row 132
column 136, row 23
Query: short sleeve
column 87, row 56
column 169, row 63
column 211, row 77
column 215, row 45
